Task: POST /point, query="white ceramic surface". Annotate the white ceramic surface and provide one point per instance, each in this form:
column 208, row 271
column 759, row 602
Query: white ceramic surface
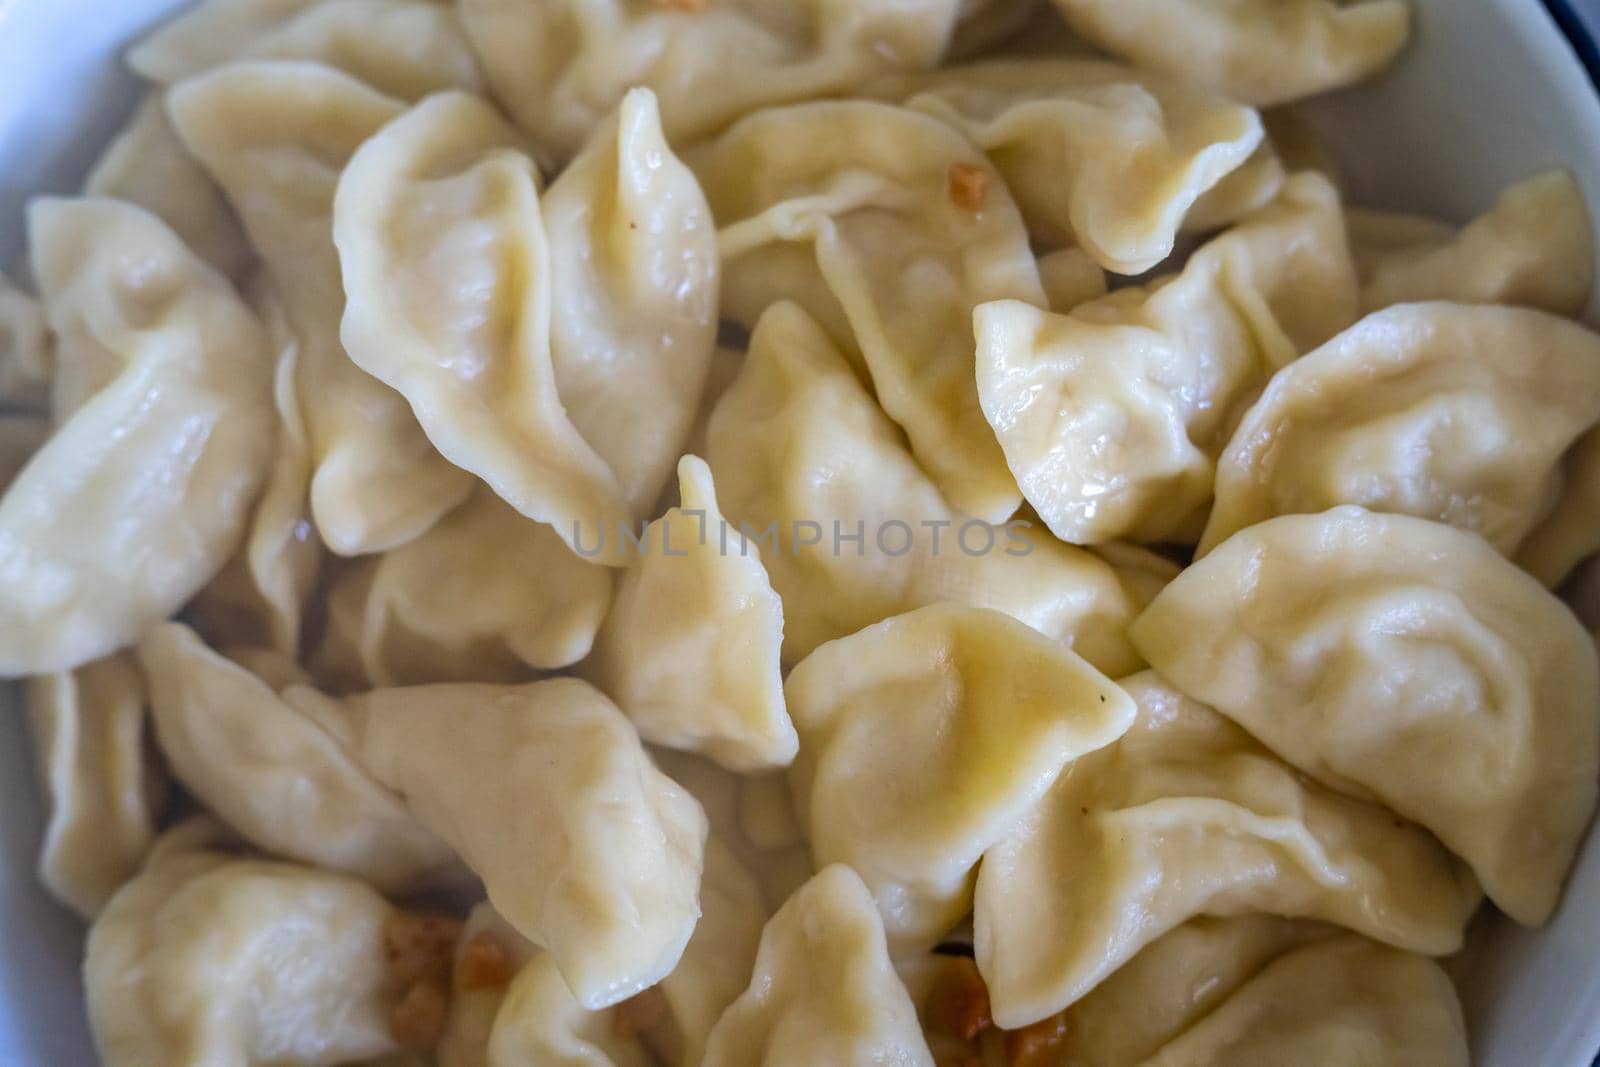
column 1488, row 94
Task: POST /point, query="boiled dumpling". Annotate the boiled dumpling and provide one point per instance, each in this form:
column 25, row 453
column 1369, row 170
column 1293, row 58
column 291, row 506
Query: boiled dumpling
column 823, row 990
column 545, row 791
column 208, row 958
column 1185, row 816
column 101, row 787
column 752, row 816
column 26, row 355
column 276, row 136
column 1262, row 52
column 1449, row 412
column 802, row 455
column 540, row 1022
column 691, row 650
column 1383, row 654
column 260, row 597
column 143, row 493
column 1534, row 248
column 273, row 774
column 447, row 268
column 489, row 955
column 407, row 48
column 1176, row 981
column 925, row 739
column 559, row 66
column 1571, row 531
column 633, row 297
column 148, row 165
column 889, row 223
column 1342, row 1000
column 486, row 595
column 1111, row 417
column 1095, row 152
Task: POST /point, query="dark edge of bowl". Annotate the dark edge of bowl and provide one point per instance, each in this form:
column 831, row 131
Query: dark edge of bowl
column 1580, row 32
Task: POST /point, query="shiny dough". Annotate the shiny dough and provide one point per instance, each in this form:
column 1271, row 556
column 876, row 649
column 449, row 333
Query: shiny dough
column 1187, row 815
column 142, row 493
column 1450, row 412
column 797, row 439
column 925, row 739
column 1300, row 628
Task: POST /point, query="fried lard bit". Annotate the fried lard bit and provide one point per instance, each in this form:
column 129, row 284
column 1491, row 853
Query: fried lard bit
column 417, row 1021
column 969, row 186
column 420, row 946
column 1037, row 1045
column 958, row 1006
column 485, row 963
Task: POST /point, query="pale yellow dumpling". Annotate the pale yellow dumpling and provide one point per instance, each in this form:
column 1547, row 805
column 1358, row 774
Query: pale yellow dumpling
column 1383, row 654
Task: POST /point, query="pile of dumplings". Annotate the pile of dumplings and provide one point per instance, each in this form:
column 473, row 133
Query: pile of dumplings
column 475, row 484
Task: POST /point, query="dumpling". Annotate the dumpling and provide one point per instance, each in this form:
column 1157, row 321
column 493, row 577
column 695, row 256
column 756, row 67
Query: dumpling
column 691, row 650
column 147, row 165
column 752, row 816
column 893, row 222
column 273, row 774
column 1111, row 417
column 1570, row 533
column 208, row 958
column 1383, row 654
column 545, row 791
column 1187, row 815
column 101, row 787
column 261, row 595
column 447, row 268
column 1534, row 248
column 1094, row 152
column 486, row 595
column 823, row 990
column 1176, row 981
column 1070, row 277
column 406, row 48
column 488, row 957
column 725, row 365
column 27, row 358
column 1452, row 412
column 559, row 66
column 1262, row 52
column 142, row 494
column 803, row 457
column 276, row 136
column 925, row 739
column 541, row 1023
column 634, row 274
column 1342, row 1000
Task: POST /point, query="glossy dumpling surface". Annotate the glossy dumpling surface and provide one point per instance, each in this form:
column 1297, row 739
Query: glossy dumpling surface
column 1450, row 412
column 142, row 493
column 1383, row 654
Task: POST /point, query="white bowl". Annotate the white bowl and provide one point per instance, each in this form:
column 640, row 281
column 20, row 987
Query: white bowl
column 1489, row 92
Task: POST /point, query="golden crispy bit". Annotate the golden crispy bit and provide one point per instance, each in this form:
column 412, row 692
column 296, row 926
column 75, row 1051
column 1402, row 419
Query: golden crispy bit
column 640, row 1014
column 958, row 1004
column 1038, row 1045
column 418, row 1019
column 485, row 963
column 969, row 185
column 420, row 946
column 683, row 5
